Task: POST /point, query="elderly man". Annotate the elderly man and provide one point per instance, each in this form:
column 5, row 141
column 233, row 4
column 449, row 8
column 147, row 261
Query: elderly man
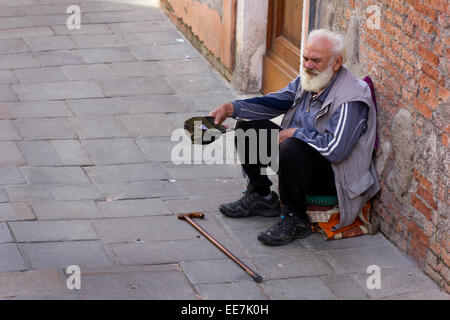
column 326, row 141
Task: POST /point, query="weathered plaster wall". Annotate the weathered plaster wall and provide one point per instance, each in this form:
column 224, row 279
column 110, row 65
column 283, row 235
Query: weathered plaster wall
column 407, row 59
column 210, row 25
column 251, row 30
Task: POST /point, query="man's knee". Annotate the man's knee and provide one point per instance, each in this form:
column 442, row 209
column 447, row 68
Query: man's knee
column 290, row 149
column 244, row 125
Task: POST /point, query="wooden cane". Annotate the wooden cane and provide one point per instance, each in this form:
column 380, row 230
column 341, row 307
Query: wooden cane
column 189, row 216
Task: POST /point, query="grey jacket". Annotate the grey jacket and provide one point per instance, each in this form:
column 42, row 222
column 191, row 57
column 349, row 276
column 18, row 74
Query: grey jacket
column 355, row 176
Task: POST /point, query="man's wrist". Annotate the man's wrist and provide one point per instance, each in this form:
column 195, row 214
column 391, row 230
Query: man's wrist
column 234, row 109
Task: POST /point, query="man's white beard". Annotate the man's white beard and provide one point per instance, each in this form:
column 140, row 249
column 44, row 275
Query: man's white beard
column 317, row 82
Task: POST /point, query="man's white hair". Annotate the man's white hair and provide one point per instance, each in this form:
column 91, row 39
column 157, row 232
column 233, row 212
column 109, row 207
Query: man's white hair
column 337, row 41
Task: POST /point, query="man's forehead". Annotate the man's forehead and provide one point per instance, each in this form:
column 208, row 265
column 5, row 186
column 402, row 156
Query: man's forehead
column 318, row 47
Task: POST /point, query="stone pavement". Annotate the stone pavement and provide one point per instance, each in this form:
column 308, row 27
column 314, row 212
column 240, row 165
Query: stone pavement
column 86, row 176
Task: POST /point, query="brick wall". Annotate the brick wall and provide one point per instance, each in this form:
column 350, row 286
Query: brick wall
column 407, row 58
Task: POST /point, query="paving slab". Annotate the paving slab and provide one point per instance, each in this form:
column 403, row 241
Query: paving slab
column 99, row 41
column 397, row 281
column 75, row 192
column 155, row 228
column 35, row 109
column 7, row 77
column 105, row 55
column 243, row 290
column 127, row 173
column 71, row 152
column 159, row 149
column 359, row 259
column 248, row 240
column 58, row 90
column 137, row 69
column 164, row 52
column 26, row 32
column 435, row 294
column 216, row 271
column 8, row 131
column 40, row 153
column 59, row 57
column 55, row 175
column 39, row 231
column 13, row 46
column 133, row 208
column 185, row 66
column 65, row 210
column 18, row 60
column 345, row 286
column 100, row 106
column 50, row 255
column 10, row 155
column 139, row 190
column 7, row 94
column 208, row 186
column 12, row 12
column 28, row 192
column 11, row 175
column 97, row 28
column 44, row 74
column 3, row 196
column 113, row 151
column 127, row 16
column 5, row 235
column 88, row 72
column 316, row 242
column 204, row 171
column 161, row 252
column 16, row 22
column 108, row 6
column 198, row 203
column 291, row 265
column 152, row 38
column 15, row 211
column 50, row 43
column 194, row 82
column 141, row 26
column 11, row 258
column 33, row 282
column 155, row 103
column 45, row 128
column 164, row 282
column 298, row 289
column 148, row 125
column 135, row 86
column 98, row 127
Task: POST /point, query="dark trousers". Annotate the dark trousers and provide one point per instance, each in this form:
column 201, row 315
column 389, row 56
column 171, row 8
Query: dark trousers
column 302, row 170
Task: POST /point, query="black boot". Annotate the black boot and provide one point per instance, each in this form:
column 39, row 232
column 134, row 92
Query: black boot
column 289, row 227
column 252, row 204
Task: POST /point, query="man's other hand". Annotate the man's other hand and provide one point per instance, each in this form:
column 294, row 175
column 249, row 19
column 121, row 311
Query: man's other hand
column 286, row 133
column 221, row 113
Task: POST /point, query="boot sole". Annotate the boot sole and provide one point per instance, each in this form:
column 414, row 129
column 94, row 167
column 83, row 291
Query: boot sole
column 273, row 243
column 269, row 213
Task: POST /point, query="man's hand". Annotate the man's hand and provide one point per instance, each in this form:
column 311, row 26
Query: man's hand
column 221, row 113
column 286, row 133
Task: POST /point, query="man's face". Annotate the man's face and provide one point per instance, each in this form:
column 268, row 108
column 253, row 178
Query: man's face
column 319, row 66
column 317, row 55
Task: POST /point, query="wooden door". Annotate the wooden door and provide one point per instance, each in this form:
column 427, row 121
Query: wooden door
column 281, row 62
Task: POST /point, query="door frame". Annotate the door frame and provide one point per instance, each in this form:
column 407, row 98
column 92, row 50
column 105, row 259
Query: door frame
column 251, row 38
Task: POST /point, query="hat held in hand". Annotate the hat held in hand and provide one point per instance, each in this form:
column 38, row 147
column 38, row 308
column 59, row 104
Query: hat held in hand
column 202, row 130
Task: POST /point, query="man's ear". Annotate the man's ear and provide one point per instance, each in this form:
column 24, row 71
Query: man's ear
column 337, row 63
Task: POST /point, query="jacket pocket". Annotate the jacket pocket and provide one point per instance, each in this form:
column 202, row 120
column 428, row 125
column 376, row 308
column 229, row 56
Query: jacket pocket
column 358, row 187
